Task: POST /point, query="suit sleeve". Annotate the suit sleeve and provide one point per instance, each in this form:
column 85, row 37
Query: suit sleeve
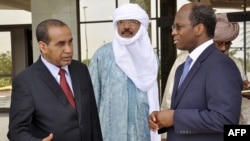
column 21, row 110
column 96, row 127
column 218, row 93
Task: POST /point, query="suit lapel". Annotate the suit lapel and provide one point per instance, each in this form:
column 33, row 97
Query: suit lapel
column 176, row 83
column 76, row 86
column 51, row 82
column 179, row 92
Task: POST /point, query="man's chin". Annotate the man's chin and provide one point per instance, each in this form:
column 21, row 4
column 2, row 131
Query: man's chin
column 67, row 62
column 180, row 48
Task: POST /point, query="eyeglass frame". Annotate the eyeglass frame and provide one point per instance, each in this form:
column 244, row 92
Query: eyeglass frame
column 130, row 22
column 178, row 26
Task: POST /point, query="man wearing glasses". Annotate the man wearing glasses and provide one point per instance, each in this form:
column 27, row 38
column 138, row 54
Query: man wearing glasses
column 210, row 95
column 225, row 33
column 124, row 75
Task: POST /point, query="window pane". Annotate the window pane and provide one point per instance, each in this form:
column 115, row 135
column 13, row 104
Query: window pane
column 237, row 48
column 247, row 44
column 121, row 2
column 96, row 34
column 5, row 69
column 98, row 10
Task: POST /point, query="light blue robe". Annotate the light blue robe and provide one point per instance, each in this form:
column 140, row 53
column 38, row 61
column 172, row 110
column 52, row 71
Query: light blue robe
column 123, row 108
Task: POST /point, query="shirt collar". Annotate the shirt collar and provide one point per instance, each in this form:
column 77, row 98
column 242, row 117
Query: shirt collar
column 53, row 68
column 198, row 50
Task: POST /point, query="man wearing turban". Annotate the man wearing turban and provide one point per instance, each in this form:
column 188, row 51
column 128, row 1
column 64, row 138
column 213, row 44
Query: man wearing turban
column 124, row 75
column 225, row 33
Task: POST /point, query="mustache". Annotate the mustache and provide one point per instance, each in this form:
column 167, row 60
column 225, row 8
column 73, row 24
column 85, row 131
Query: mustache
column 127, row 31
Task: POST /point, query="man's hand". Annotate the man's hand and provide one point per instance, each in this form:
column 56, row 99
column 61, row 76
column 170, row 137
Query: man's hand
column 48, row 138
column 152, row 122
column 246, row 86
column 165, row 118
column 160, row 119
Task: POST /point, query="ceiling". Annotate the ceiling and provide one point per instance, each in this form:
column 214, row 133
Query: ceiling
column 237, row 4
column 25, row 4
column 15, row 4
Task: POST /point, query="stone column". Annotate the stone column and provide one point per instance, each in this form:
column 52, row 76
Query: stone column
column 65, row 10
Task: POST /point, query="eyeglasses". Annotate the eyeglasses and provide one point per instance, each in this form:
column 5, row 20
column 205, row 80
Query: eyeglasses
column 128, row 22
column 178, row 26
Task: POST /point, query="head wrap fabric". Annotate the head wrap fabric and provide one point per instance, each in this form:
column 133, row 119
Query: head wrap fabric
column 131, row 11
column 136, row 57
column 225, row 31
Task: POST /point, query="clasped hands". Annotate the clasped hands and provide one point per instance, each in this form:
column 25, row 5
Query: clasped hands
column 161, row 119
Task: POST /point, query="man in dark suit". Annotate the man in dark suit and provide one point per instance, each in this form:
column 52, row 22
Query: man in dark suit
column 209, row 97
column 39, row 108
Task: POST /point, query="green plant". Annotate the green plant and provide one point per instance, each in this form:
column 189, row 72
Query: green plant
column 5, row 69
column 86, row 61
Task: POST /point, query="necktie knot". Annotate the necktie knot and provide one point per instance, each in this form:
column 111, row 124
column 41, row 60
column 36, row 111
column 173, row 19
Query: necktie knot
column 61, row 72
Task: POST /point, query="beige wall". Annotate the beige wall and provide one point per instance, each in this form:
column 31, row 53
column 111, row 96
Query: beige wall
column 64, row 10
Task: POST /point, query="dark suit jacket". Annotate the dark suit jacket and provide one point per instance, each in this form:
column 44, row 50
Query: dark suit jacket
column 208, row 99
column 39, row 106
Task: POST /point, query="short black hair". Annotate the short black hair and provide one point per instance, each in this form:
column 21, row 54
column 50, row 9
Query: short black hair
column 204, row 14
column 42, row 29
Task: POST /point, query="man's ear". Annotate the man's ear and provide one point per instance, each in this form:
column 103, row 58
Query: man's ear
column 42, row 46
column 199, row 29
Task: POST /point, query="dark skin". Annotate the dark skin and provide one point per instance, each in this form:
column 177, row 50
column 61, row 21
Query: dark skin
column 127, row 29
column 187, row 37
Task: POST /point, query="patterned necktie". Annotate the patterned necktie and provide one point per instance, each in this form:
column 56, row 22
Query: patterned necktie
column 185, row 70
column 66, row 89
